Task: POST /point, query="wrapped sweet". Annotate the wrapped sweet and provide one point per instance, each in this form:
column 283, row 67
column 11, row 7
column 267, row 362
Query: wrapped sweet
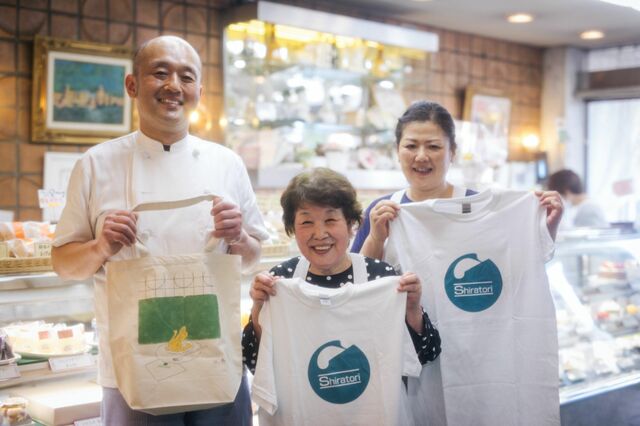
column 21, row 238
column 40, row 338
column 13, row 412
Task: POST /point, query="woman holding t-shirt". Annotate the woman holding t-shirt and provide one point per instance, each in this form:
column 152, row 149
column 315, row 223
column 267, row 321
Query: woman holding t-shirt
column 320, row 209
column 426, row 146
column 324, row 199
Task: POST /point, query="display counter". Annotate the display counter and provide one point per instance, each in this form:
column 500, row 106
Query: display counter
column 595, row 282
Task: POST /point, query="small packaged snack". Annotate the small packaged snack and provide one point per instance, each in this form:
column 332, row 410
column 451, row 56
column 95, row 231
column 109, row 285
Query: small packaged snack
column 13, row 412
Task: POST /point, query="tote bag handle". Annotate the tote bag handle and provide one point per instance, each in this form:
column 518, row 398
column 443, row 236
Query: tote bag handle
column 171, row 205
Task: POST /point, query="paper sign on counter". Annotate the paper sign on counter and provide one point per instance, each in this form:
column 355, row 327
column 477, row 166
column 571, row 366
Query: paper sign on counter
column 71, row 362
column 9, row 371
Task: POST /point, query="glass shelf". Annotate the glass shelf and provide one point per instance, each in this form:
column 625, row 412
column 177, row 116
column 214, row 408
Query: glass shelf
column 595, row 282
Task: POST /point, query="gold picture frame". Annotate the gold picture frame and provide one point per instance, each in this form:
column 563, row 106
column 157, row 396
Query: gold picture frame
column 78, row 91
column 491, row 109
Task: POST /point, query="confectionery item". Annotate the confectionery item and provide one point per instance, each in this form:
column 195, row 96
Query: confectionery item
column 612, row 270
column 42, row 338
column 13, row 412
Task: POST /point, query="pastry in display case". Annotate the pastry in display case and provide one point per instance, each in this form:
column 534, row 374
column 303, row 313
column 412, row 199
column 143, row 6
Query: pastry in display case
column 46, row 333
column 39, row 339
column 595, row 282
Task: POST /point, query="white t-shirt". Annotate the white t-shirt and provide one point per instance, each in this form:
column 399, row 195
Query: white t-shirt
column 486, row 290
column 124, row 172
column 348, row 369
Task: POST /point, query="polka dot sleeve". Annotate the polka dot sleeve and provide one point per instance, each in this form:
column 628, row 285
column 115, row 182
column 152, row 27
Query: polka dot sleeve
column 427, row 343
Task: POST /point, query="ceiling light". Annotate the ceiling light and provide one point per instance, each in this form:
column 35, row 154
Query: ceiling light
column 591, row 35
column 520, row 18
column 531, row 141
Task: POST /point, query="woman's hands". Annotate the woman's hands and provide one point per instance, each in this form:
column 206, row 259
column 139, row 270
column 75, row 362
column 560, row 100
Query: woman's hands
column 262, row 287
column 379, row 217
column 554, row 206
column 410, row 283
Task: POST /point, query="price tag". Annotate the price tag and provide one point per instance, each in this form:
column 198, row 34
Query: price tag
column 9, row 371
column 42, row 249
column 4, row 250
column 71, row 362
column 50, row 198
column 94, row 421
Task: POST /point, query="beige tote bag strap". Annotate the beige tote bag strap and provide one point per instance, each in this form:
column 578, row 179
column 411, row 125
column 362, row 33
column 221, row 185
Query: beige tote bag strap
column 171, row 205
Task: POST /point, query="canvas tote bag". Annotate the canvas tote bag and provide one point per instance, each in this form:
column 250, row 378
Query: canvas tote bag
column 174, row 326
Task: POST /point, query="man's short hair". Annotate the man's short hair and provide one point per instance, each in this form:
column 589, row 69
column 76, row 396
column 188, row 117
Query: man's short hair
column 137, row 55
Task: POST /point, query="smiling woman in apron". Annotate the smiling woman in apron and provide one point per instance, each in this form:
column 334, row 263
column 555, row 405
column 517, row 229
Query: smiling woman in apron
column 320, row 209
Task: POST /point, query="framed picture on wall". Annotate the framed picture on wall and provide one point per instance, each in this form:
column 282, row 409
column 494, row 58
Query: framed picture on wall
column 78, row 91
column 492, row 110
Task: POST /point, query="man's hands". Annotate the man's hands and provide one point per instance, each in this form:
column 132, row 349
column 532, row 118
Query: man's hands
column 119, row 230
column 227, row 221
column 79, row 260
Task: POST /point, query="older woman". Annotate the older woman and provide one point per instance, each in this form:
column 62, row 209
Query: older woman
column 324, row 199
column 320, row 209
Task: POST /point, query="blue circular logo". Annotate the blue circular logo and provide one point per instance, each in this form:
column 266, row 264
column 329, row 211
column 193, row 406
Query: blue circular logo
column 473, row 285
column 338, row 375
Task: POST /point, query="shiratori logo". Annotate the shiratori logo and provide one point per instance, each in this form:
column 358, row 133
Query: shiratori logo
column 473, row 285
column 344, row 378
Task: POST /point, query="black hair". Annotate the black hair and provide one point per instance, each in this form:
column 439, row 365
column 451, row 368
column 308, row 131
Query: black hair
column 565, row 181
column 321, row 187
column 428, row 111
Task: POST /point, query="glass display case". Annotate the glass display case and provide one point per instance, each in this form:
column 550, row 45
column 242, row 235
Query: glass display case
column 296, row 98
column 48, row 324
column 595, row 282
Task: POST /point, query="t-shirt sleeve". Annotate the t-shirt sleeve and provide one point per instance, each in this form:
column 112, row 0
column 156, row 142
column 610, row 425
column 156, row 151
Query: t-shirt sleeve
column 75, row 221
column 410, row 363
column 251, row 216
column 263, row 388
column 547, row 244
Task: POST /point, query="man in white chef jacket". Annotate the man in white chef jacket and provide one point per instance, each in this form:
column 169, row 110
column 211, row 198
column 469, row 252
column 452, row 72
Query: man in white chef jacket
column 160, row 162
